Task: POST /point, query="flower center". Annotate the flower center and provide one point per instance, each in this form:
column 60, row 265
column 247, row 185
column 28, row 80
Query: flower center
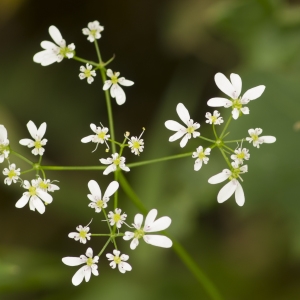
column 254, row 137
column 117, row 218
column 213, row 119
column 64, row 51
column 87, row 73
column 93, row 32
column 3, row 148
column 139, row 233
column 117, row 259
column 32, row 191
column 241, row 155
column 201, row 155
column 89, row 262
column 190, row 129
column 114, row 79
column 82, row 234
column 117, row 161
column 235, row 173
column 11, row 173
column 236, row 103
column 101, row 135
column 99, row 203
column 136, row 144
column 43, row 185
column 37, row 144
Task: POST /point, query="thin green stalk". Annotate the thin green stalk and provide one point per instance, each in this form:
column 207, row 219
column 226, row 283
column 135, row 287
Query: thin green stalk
column 27, row 171
column 152, row 161
column 225, row 128
column 73, row 168
column 107, row 234
column 233, row 141
column 226, row 158
column 177, row 247
column 224, row 146
column 214, row 130
column 86, row 61
column 206, row 139
column 21, row 156
column 104, row 247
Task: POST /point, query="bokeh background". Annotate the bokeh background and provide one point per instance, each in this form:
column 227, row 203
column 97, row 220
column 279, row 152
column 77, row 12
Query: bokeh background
column 171, row 50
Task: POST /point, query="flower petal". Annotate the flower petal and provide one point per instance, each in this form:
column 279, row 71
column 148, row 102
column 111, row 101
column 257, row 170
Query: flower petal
column 32, row 129
column 44, row 196
column 111, row 189
column 224, row 84
column 160, row 224
column 94, row 188
column 239, row 195
column 87, row 139
column 174, row 125
column 138, row 220
column 107, row 85
column 87, row 273
column 78, row 276
column 150, row 217
column 42, row 129
column 254, row 93
column 3, row 134
column 38, row 204
column 219, row 177
column 25, row 142
column 158, row 240
column 72, row 261
column 218, row 102
column 109, row 169
column 227, row 190
column 22, row 201
column 184, row 141
column 134, row 243
column 198, row 165
column 268, row 139
column 125, row 82
column 55, row 34
column 237, row 84
column 183, row 113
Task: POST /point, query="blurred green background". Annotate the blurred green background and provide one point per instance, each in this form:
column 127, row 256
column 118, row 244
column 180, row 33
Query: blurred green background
column 171, row 50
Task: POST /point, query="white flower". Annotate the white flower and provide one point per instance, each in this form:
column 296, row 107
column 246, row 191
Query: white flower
column 136, row 144
column 46, row 185
column 254, row 133
column 233, row 90
column 182, row 131
column 93, row 31
column 116, row 91
column 101, row 136
column 34, row 196
column 214, row 119
column 150, row 226
column 4, row 144
column 113, row 163
column 201, row 157
column 232, row 186
column 119, row 260
column 54, row 53
column 85, row 271
column 87, row 73
column 12, row 174
column 96, row 197
column 240, row 155
column 37, row 135
column 82, row 235
column 116, row 218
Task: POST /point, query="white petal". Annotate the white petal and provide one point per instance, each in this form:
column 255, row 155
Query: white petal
column 138, row 220
column 55, row 34
column 22, row 201
column 38, row 204
column 224, row 84
column 3, row 134
column 48, row 45
column 176, row 136
column 254, row 93
column 239, row 195
column 227, row 190
column 107, row 85
column 72, row 261
column 119, row 94
column 105, row 161
column 245, row 110
column 111, row 189
column 150, row 217
column 89, row 252
column 125, row 82
column 78, row 276
column 39, row 56
column 42, row 129
column 183, row 113
column 134, row 243
column 219, row 177
column 237, row 84
column 48, row 60
column 45, row 196
column 198, row 165
column 174, row 125
column 184, row 141
column 158, row 240
column 87, row 139
column 110, row 169
column 109, row 73
column 32, row 129
column 218, row 102
column 87, row 273
column 235, row 113
column 94, row 188
column 25, row 142
column 160, row 224
column 126, row 266
column 128, row 236
column 268, row 139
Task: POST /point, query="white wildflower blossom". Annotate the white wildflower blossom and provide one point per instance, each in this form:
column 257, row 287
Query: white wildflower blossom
column 85, row 271
column 256, row 140
column 54, row 52
column 82, row 235
column 240, row 155
column 116, row 218
column 93, row 31
column 116, row 259
column 4, row 144
column 101, row 136
column 233, row 186
column 214, row 119
column 99, row 202
column 113, row 163
column 136, row 144
column 12, row 174
column 201, row 157
column 185, row 132
column 233, row 89
column 113, row 83
column 46, row 185
column 37, row 134
column 87, row 73
column 35, row 195
column 150, row 226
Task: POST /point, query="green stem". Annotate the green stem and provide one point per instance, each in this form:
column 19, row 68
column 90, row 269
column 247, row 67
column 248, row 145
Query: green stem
column 104, row 247
column 226, row 158
column 228, row 148
column 225, row 128
column 177, row 247
column 86, row 61
column 233, row 141
column 21, row 156
column 151, row 161
column 27, row 171
column 206, row 139
column 214, row 130
column 107, row 234
column 73, row 168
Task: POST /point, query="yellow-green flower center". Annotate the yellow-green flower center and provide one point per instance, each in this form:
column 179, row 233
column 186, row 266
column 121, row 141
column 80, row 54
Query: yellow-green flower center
column 114, row 79
column 190, row 129
column 139, row 233
column 237, row 104
column 43, row 185
column 254, row 137
column 235, row 173
column 89, row 262
column 213, row 119
column 93, row 32
column 87, row 73
column 117, row 161
column 37, row 144
column 101, row 135
column 11, row 173
column 201, row 155
column 64, row 51
column 3, row 148
column 117, row 218
column 117, row 259
column 241, row 155
column 136, row 145
column 99, row 203
column 32, row 191
column 82, row 234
